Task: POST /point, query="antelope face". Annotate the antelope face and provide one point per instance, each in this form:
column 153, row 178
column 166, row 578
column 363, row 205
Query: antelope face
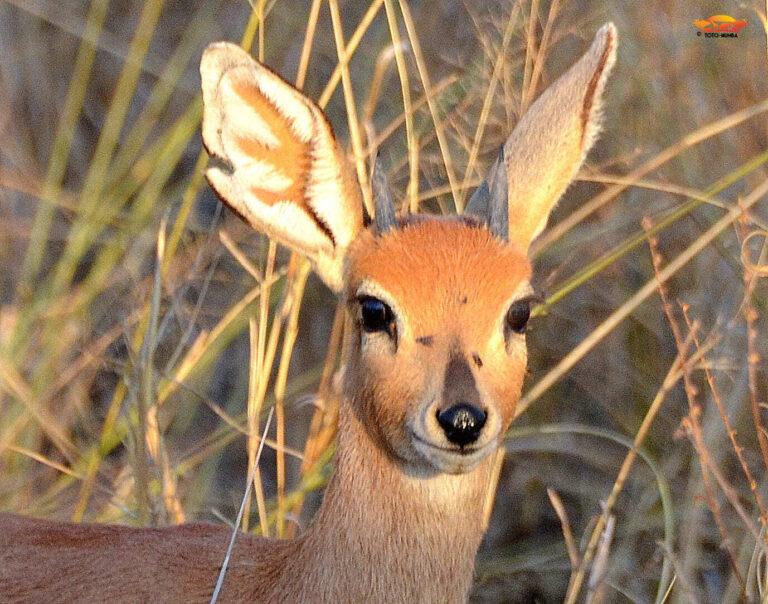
column 440, row 305
column 440, row 308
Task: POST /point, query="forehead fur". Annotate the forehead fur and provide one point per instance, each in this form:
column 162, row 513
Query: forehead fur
column 437, row 268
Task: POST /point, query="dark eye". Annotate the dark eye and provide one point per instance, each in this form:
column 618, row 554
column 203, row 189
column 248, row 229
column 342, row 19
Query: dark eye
column 518, row 315
column 375, row 315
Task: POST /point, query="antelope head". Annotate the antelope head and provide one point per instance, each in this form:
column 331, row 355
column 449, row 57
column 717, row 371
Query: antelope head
column 438, row 304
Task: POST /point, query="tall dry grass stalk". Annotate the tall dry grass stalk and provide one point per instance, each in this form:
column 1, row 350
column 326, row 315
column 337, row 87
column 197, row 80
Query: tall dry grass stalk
column 145, row 334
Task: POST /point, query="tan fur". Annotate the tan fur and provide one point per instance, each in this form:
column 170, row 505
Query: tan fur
column 552, row 139
column 401, row 519
column 454, row 286
column 261, row 127
column 288, row 158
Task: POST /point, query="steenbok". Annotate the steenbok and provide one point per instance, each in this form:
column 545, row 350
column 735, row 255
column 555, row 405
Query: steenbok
column 438, row 307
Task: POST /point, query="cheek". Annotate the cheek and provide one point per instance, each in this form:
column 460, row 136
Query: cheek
column 395, row 384
column 506, row 383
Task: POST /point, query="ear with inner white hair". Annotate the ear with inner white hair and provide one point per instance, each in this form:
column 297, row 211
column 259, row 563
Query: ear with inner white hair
column 285, row 173
column 551, row 141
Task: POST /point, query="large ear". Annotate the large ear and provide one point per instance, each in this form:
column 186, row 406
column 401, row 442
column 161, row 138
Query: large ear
column 552, row 139
column 285, row 173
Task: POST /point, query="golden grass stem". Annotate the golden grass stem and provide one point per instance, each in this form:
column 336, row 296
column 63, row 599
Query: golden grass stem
column 349, row 102
column 490, row 93
column 251, row 29
column 426, row 84
column 62, row 143
column 302, row 269
column 238, row 255
column 306, row 48
column 383, row 60
column 405, row 87
column 692, row 422
column 352, row 45
column 565, row 525
column 529, row 91
column 392, row 127
column 262, row 368
column 623, row 248
column 530, row 56
column 751, row 277
column 617, row 316
column 737, row 448
column 13, row 382
column 596, row 584
column 650, row 184
column 80, row 234
column 265, row 357
column 691, row 139
column 260, row 16
column 315, row 442
column 254, row 410
column 577, row 577
column 259, row 370
column 45, row 461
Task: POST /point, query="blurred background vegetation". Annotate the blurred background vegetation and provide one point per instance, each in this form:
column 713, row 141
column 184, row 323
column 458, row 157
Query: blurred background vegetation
column 145, row 332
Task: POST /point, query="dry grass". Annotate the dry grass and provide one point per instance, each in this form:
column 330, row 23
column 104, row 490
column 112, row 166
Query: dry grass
column 145, row 333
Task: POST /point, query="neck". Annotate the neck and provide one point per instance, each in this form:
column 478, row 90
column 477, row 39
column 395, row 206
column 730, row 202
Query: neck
column 384, row 533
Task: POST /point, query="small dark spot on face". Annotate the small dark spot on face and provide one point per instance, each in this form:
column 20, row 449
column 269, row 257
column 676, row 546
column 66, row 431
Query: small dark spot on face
column 426, row 340
column 476, row 358
column 464, row 300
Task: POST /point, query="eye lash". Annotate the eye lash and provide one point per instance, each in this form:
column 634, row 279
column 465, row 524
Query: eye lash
column 537, row 296
column 362, row 297
column 534, row 299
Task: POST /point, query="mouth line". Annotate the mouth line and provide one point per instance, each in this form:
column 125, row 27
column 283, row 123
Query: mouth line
column 461, row 452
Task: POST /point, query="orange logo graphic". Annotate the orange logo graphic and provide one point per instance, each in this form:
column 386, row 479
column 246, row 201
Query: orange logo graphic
column 720, row 26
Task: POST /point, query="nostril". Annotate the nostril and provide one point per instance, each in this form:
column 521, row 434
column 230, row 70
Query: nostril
column 462, row 423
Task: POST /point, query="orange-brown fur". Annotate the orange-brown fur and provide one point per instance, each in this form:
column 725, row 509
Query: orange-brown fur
column 339, row 559
column 453, row 284
column 346, row 556
column 402, row 516
column 290, row 158
column 51, row 562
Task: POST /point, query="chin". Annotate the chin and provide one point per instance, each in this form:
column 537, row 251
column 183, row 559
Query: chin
column 453, row 460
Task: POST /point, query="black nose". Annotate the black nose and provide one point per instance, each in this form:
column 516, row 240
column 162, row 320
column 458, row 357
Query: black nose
column 462, row 423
